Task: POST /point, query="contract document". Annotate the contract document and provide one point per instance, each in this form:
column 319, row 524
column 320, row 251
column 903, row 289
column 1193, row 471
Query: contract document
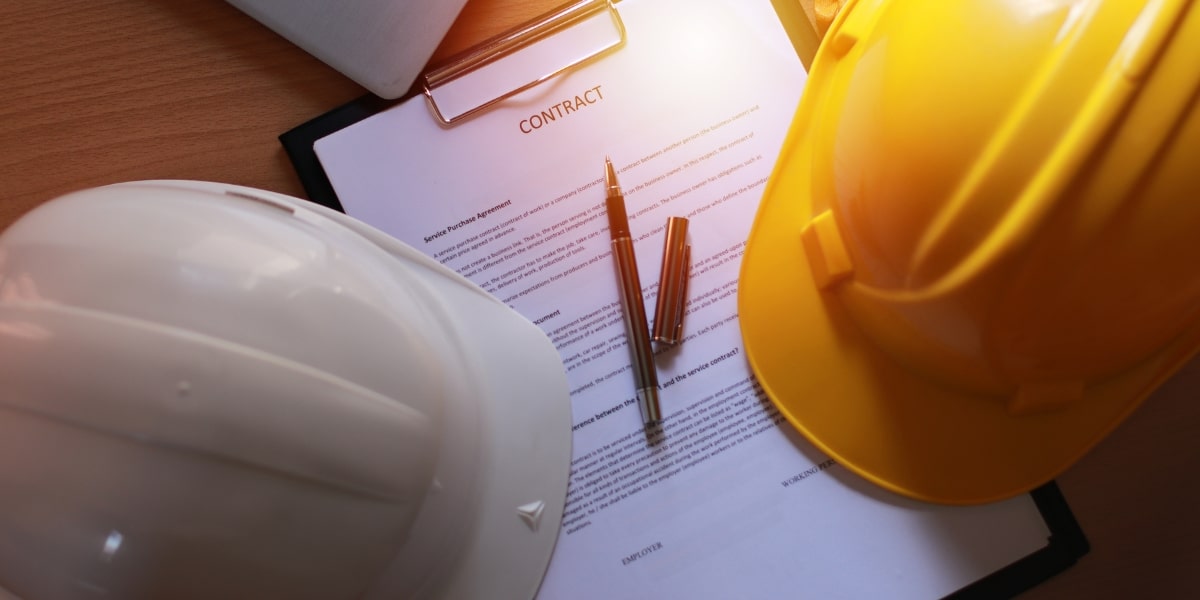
column 723, row 499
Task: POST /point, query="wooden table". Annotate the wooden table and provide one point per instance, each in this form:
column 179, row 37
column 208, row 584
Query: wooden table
column 102, row 91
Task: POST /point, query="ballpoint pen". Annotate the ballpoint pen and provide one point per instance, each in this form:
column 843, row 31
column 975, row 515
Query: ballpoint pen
column 633, row 304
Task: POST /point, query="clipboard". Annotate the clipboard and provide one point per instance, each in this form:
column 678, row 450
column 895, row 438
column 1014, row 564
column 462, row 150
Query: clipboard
column 1066, row 542
column 298, row 142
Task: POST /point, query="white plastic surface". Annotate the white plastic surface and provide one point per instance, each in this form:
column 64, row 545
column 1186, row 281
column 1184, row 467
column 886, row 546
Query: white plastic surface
column 213, row 391
column 380, row 44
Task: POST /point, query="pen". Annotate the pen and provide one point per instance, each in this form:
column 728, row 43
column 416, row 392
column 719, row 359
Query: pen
column 636, row 329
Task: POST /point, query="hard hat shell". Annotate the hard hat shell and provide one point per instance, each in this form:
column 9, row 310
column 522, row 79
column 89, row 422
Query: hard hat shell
column 977, row 251
column 212, row 391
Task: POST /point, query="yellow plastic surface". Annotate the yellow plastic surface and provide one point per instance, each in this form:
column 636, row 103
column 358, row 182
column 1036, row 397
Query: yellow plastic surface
column 1014, row 263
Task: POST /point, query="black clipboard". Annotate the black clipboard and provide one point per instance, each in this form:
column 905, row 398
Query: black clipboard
column 1066, row 542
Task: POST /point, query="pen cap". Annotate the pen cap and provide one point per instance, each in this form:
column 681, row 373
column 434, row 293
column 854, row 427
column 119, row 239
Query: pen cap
column 672, row 283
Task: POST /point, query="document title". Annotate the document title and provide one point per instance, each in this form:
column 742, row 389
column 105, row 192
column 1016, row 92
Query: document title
column 560, row 110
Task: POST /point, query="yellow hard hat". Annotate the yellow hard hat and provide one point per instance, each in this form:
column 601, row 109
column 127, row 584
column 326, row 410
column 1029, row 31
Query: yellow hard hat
column 979, row 250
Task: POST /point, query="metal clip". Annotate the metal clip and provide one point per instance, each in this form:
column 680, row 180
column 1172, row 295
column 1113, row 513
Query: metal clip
column 512, row 42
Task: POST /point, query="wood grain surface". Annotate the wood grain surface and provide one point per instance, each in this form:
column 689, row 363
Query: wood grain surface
column 103, row 91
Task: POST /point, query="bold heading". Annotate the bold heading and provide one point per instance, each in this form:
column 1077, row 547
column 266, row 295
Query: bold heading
column 560, row 110
column 483, row 214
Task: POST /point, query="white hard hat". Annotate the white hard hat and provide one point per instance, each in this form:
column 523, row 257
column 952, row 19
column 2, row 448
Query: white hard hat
column 213, row 391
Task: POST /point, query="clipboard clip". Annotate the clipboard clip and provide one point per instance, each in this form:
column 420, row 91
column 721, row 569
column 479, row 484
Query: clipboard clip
column 584, row 16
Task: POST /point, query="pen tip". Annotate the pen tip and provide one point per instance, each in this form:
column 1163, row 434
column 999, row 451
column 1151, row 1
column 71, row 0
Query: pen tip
column 610, row 175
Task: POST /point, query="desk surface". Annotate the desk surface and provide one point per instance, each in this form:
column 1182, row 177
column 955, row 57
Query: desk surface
column 102, row 91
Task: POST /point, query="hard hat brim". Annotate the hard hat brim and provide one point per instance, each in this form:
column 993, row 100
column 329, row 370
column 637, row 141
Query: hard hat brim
column 890, row 425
